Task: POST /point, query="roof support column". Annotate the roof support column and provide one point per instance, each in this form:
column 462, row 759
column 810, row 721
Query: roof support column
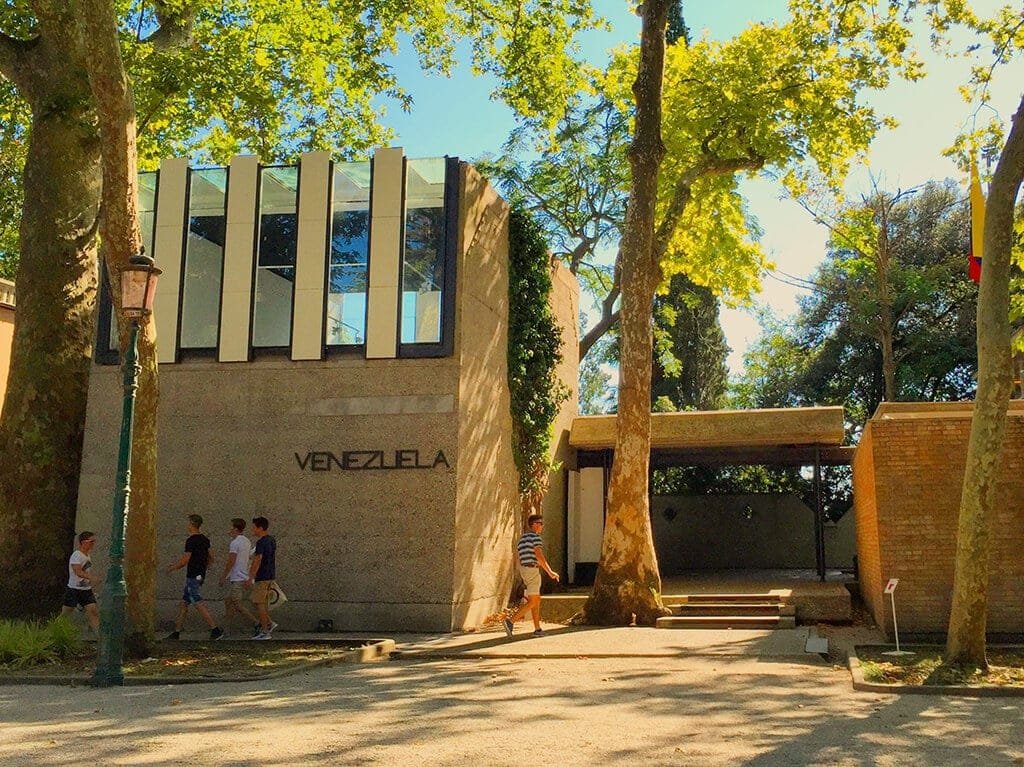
column 819, row 523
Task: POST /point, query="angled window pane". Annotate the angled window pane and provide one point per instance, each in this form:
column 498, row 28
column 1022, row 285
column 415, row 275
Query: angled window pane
column 275, row 271
column 347, row 268
column 423, row 261
column 204, row 258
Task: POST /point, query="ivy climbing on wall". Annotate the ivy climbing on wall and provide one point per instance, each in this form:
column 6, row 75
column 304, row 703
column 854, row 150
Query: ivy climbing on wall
column 534, row 352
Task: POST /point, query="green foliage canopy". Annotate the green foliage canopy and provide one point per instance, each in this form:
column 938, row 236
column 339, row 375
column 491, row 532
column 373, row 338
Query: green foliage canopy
column 214, row 78
column 831, row 355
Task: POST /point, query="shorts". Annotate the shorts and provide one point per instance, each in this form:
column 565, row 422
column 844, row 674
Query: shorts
column 78, row 597
column 234, row 591
column 261, row 592
column 191, row 595
column 531, row 577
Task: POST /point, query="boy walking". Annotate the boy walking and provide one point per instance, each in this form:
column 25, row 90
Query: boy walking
column 236, row 573
column 531, row 560
column 79, row 592
column 262, row 571
column 196, row 559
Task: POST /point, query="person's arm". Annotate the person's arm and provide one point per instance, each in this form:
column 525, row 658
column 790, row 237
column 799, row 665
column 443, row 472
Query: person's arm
column 254, row 567
column 543, row 562
column 232, row 556
column 82, row 573
column 182, row 561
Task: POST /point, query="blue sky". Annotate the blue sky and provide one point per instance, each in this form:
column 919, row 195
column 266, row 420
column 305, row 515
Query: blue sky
column 456, row 116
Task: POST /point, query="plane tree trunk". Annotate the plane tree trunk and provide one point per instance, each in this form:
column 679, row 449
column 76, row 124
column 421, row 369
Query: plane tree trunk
column 965, row 644
column 627, row 587
column 122, row 238
column 44, row 409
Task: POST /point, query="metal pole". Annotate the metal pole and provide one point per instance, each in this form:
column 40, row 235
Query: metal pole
column 895, row 630
column 110, row 653
column 819, row 527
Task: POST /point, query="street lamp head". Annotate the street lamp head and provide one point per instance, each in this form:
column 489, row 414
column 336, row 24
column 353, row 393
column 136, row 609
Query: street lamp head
column 138, row 285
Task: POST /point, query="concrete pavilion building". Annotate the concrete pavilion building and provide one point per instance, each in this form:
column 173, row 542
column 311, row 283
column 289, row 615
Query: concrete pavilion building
column 332, row 340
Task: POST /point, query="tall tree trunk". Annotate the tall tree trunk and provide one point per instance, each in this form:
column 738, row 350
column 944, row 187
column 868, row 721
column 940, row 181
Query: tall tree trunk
column 628, row 585
column 121, row 240
column 44, row 409
column 965, row 644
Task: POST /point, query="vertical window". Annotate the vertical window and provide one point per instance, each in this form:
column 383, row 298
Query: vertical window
column 275, row 262
column 147, row 214
column 423, row 260
column 347, row 270
column 147, row 207
column 204, row 258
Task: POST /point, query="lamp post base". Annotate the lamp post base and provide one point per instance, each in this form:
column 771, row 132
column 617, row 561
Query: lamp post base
column 110, row 648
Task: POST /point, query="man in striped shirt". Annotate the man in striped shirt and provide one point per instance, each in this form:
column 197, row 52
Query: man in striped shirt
column 531, row 561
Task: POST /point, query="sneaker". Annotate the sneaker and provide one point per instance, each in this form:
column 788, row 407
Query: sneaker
column 216, row 632
column 271, row 629
column 538, row 633
column 263, row 635
column 173, row 635
column 508, row 626
column 257, row 629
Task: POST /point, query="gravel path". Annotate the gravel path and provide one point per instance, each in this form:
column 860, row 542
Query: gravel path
column 704, row 711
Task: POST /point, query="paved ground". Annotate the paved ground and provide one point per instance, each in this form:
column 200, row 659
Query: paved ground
column 683, row 708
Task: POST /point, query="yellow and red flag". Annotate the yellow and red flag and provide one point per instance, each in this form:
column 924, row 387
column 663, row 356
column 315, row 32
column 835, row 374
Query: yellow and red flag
column 977, row 224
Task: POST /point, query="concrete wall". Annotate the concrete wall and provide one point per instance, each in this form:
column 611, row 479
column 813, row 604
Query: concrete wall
column 908, row 477
column 565, row 303
column 487, row 501
column 711, row 532
column 6, row 333
column 376, row 549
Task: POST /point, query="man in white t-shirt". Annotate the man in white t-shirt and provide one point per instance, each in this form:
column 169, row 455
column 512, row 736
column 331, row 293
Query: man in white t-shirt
column 236, row 572
column 79, row 591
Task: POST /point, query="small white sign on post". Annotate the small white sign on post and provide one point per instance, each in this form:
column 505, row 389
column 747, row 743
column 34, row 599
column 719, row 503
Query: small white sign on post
column 890, row 589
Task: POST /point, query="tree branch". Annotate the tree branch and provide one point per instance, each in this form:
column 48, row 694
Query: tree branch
column 14, row 60
column 595, row 333
column 176, row 23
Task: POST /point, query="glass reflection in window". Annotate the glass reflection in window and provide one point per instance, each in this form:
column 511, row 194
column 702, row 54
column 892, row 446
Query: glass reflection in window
column 423, row 261
column 275, row 264
column 347, row 269
column 204, row 258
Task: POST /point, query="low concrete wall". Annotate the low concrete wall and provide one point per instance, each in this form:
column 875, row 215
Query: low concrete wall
column 712, row 532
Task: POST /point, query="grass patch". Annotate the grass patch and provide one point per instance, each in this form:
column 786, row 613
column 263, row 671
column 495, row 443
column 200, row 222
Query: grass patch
column 230, row 661
column 924, row 667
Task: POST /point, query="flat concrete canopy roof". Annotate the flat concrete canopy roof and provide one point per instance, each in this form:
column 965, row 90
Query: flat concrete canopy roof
column 783, row 436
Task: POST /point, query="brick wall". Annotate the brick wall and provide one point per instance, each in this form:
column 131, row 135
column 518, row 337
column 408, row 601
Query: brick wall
column 908, row 475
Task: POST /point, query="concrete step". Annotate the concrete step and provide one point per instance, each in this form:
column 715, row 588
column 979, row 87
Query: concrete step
column 772, row 599
column 727, row 622
column 732, row 608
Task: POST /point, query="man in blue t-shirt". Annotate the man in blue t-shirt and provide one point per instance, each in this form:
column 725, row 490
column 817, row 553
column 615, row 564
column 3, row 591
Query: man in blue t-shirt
column 197, row 558
column 262, row 571
column 531, row 561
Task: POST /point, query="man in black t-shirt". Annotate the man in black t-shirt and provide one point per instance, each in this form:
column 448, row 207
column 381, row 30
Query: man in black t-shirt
column 197, row 558
column 262, row 571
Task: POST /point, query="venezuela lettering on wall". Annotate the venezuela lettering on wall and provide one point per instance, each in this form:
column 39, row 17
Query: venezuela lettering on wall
column 369, row 460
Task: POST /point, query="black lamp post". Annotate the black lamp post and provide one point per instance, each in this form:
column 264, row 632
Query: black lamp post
column 138, row 289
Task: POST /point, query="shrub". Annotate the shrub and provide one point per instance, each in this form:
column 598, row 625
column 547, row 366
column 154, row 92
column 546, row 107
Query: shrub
column 26, row 643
